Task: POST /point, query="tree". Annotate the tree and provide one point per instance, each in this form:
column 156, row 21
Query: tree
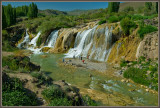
column 148, row 5
column 4, row 23
column 32, row 11
column 126, row 24
column 157, row 7
column 113, row 7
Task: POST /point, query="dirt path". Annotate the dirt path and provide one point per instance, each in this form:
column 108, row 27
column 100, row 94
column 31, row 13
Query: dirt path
column 7, row 53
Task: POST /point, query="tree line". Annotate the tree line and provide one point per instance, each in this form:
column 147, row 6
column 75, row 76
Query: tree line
column 9, row 13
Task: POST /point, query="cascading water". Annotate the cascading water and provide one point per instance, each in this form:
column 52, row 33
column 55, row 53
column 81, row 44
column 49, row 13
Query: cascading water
column 33, row 44
column 77, row 50
column 24, row 42
column 52, row 39
column 34, row 40
column 85, row 42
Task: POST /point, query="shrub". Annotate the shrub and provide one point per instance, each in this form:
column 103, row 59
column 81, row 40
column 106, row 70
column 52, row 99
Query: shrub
column 113, row 19
column 14, row 94
column 137, row 75
column 102, row 22
column 60, row 102
column 146, row 29
column 88, row 101
column 123, row 63
column 126, row 24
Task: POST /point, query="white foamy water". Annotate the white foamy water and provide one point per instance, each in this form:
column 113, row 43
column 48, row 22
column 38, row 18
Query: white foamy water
column 25, row 41
column 52, row 39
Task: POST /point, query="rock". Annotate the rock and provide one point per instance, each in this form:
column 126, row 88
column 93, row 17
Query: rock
column 149, row 46
column 147, row 90
column 123, row 80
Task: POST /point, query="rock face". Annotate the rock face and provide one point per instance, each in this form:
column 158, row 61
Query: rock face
column 148, row 47
column 124, row 48
column 65, row 40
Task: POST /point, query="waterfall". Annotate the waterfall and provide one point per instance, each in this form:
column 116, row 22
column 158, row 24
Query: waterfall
column 78, row 49
column 25, row 41
column 52, row 39
column 85, row 41
column 34, row 40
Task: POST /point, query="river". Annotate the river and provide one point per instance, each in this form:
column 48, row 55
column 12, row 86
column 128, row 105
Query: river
column 105, row 89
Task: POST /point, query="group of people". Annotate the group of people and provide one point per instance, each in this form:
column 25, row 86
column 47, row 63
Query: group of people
column 80, row 58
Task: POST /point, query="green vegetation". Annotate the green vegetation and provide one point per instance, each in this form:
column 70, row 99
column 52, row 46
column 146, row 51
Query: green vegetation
column 123, row 63
column 102, row 21
column 144, row 29
column 127, row 24
column 55, row 96
column 113, row 19
column 9, row 15
column 144, row 72
column 42, row 78
column 14, row 94
column 148, row 5
column 113, row 7
column 15, row 63
column 32, row 11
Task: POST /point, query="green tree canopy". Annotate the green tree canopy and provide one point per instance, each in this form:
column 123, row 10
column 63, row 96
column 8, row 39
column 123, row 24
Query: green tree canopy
column 113, row 7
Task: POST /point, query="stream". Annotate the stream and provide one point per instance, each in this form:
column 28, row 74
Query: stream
column 107, row 90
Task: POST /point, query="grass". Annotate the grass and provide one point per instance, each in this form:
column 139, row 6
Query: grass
column 140, row 75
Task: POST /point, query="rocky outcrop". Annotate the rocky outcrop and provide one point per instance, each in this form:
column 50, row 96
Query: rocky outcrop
column 65, row 40
column 148, row 47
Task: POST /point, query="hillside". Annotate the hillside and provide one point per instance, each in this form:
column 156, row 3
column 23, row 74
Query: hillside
column 51, row 12
column 135, row 5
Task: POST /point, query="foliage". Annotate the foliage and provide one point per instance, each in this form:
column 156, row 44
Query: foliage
column 42, row 78
column 148, row 5
column 113, row 7
column 14, row 94
column 60, row 102
column 32, row 11
column 102, row 21
column 123, row 63
column 113, row 19
column 88, row 101
column 21, row 11
column 146, row 73
column 157, row 7
column 126, row 24
column 9, row 16
column 146, row 29
column 14, row 63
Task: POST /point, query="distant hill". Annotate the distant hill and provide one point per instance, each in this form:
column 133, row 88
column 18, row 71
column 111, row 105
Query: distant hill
column 79, row 12
column 135, row 5
column 52, row 12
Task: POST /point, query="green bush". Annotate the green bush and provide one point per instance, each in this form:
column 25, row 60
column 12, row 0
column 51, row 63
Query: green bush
column 60, row 102
column 113, row 19
column 123, row 63
column 146, row 29
column 126, row 24
column 102, row 22
column 137, row 75
column 88, row 101
column 14, row 94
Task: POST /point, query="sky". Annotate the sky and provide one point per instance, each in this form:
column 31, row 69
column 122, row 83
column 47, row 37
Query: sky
column 62, row 6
